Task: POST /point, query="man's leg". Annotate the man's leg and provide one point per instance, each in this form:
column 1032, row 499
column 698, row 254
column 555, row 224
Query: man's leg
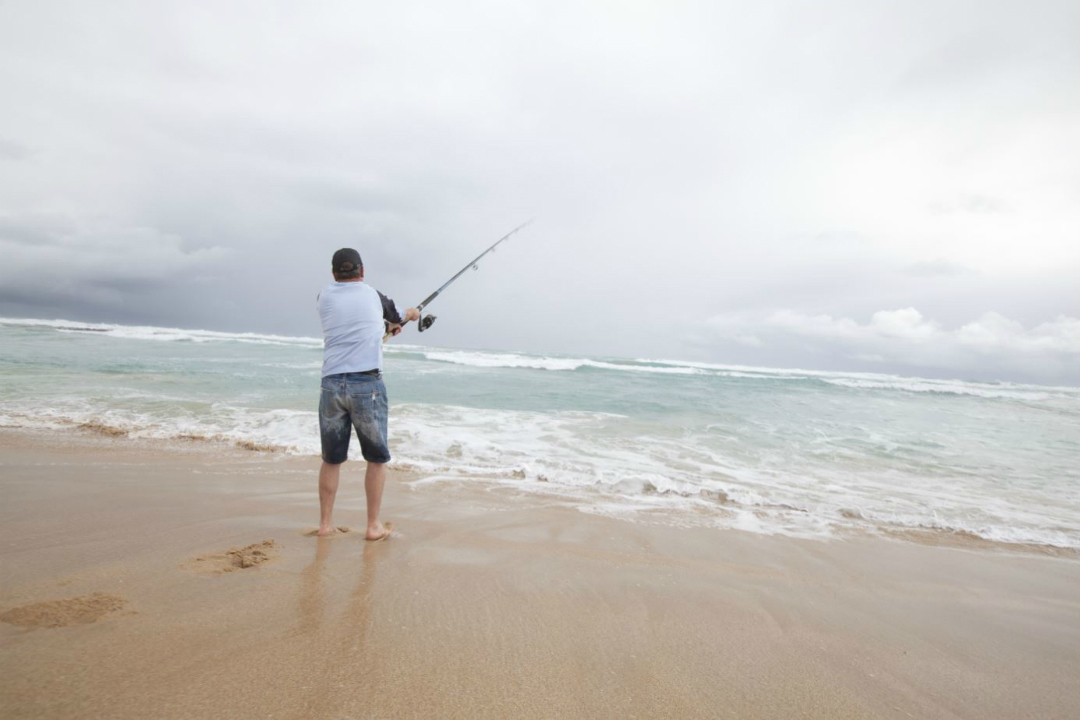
column 329, row 475
column 374, row 478
column 335, row 429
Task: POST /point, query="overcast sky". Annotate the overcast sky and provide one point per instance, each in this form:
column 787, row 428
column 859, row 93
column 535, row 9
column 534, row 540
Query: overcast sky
column 884, row 186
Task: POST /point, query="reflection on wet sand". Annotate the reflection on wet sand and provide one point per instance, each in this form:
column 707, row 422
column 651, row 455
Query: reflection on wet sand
column 356, row 619
column 356, row 615
column 343, row 636
column 312, row 598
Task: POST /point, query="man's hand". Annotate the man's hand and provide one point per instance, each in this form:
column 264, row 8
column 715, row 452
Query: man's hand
column 395, row 328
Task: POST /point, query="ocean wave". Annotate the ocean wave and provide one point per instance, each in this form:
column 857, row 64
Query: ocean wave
column 541, row 362
column 518, row 360
column 501, row 360
column 937, row 386
column 883, row 381
column 853, row 380
column 162, row 334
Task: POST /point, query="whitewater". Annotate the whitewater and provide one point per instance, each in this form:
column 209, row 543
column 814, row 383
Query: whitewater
column 771, row 450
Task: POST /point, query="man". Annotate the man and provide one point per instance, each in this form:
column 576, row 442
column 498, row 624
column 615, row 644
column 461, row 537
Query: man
column 353, row 394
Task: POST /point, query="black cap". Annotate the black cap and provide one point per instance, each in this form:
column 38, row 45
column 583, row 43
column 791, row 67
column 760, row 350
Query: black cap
column 346, row 260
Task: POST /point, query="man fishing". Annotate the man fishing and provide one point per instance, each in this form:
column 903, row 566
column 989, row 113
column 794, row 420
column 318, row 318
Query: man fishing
column 354, row 317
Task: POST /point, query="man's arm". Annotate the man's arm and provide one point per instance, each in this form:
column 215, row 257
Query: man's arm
column 390, row 311
column 393, row 316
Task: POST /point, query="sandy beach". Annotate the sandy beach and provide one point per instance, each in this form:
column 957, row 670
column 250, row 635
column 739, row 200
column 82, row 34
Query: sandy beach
column 145, row 579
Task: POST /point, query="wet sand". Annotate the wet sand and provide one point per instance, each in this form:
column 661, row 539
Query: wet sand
column 487, row 602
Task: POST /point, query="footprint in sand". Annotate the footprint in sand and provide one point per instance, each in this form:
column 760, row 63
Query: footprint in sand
column 338, row 532
column 234, row 559
column 61, row 613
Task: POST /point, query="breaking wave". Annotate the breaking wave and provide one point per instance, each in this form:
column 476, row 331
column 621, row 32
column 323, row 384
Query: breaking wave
column 858, row 381
column 542, row 362
column 162, row 334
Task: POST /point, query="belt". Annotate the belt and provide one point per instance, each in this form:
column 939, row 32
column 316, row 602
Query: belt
column 370, row 373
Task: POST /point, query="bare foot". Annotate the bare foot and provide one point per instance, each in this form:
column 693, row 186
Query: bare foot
column 378, row 531
column 329, row 530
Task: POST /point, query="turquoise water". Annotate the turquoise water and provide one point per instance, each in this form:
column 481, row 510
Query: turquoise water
column 805, row 453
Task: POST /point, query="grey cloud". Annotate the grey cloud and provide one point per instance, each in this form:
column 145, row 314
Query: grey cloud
column 14, row 151
column 102, row 264
column 683, row 162
column 16, row 232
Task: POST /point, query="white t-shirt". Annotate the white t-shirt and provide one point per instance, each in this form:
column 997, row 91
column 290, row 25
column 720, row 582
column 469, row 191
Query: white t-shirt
column 352, row 315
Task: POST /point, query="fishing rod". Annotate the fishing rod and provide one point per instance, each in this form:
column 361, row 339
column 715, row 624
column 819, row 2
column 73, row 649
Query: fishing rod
column 427, row 321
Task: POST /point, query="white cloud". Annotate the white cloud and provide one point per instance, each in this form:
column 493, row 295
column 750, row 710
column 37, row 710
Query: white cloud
column 906, row 324
column 991, row 344
column 993, row 333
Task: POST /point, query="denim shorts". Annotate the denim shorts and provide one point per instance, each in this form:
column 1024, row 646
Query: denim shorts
column 353, row 400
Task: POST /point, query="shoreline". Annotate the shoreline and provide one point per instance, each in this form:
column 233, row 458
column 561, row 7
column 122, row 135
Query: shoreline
column 92, row 432
column 486, row 603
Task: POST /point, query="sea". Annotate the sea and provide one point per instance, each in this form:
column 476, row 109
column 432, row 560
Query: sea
column 804, row 453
